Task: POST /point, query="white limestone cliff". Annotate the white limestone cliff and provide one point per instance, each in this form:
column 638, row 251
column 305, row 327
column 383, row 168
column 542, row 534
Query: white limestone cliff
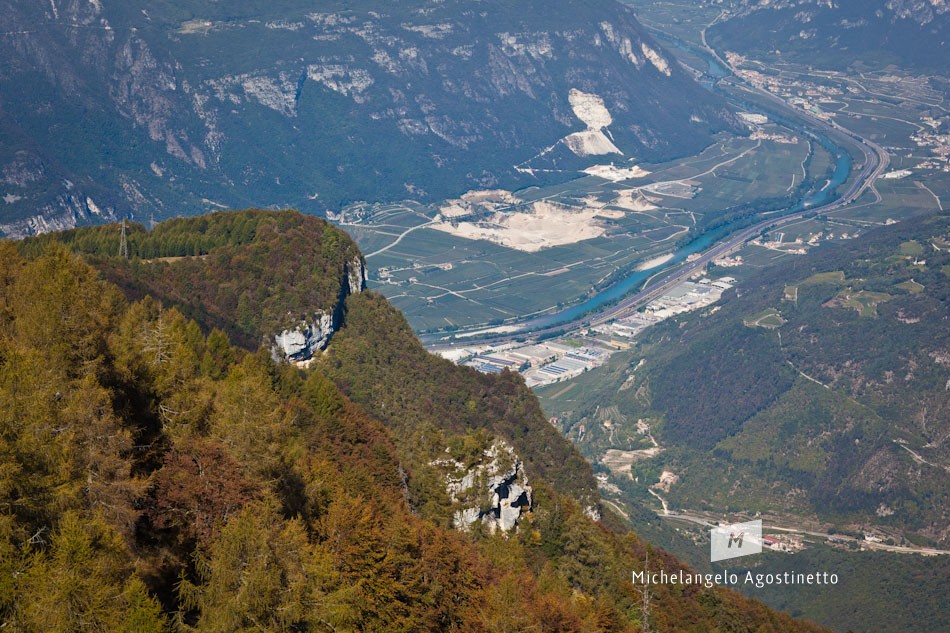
column 312, row 334
column 494, row 491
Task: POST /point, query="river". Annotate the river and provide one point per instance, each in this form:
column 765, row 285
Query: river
column 635, row 280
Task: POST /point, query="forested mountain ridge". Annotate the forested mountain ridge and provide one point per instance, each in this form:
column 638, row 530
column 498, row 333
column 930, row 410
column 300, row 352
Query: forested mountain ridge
column 909, row 33
column 253, row 274
column 818, row 389
column 156, row 478
column 111, row 107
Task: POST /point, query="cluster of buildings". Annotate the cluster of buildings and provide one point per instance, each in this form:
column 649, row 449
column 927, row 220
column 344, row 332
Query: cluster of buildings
column 755, row 121
column 689, row 296
column 789, row 543
column 628, row 327
column 799, row 246
column 546, row 362
column 729, row 262
column 541, row 363
column 937, row 139
column 799, row 93
column 684, row 297
column 778, row 243
column 571, row 364
column 897, row 174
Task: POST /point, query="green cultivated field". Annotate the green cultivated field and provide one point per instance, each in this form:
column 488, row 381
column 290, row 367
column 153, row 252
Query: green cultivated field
column 443, row 281
column 768, row 318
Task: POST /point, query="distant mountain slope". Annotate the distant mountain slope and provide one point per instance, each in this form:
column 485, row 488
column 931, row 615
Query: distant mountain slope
column 914, row 34
column 154, row 475
column 153, row 108
column 837, row 405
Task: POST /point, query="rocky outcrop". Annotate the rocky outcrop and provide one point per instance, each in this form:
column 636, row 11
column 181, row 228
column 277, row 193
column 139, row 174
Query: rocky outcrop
column 65, row 211
column 312, row 334
column 355, row 275
column 302, row 342
column 379, row 98
column 494, row 491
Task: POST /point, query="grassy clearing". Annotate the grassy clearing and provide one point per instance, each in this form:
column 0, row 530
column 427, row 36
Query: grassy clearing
column 864, row 301
column 770, row 319
column 823, row 278
column 571, row 342
column 834, row 277
column 913, row 248
column 911, row 286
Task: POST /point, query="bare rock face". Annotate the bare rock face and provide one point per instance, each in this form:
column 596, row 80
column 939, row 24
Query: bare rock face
column 377, row 100
column 312, row 334
column 494, row 491
column 356, row 276
column 303, row 341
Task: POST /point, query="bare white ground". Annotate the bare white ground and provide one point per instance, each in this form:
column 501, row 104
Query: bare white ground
column 616, row 174
column 547, row 224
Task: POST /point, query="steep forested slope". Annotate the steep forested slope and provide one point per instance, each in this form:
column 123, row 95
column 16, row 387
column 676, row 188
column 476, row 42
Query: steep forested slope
column 155, row 476
column 836, row 406
column 909, row 33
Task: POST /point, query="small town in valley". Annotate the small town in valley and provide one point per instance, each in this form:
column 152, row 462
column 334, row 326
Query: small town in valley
column 562, row 358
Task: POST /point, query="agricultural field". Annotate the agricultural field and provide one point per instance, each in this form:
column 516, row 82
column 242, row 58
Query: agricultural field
column 865, row 302
column 422, row 257
column 468, row 263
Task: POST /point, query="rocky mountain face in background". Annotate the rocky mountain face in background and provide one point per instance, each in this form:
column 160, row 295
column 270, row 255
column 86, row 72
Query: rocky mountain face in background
column 836, row 33
column 159, row 109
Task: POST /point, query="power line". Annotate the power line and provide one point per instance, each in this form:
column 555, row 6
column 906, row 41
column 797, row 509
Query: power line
column 123, row 242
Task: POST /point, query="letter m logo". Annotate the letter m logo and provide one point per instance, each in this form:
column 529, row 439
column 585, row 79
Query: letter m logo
column 732, row 541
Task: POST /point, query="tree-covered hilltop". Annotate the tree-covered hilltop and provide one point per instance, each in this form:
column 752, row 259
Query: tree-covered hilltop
column 249, row 273
column 155, row 477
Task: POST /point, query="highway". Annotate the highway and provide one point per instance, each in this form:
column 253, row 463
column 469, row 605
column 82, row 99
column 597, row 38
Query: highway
column 875, row 162
column 864, row 544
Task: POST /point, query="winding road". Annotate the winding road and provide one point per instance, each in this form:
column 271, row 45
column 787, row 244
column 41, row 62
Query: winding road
column 875, row 162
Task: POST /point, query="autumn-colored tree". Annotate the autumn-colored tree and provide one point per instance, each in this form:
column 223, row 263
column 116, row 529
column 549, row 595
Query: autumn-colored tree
column 62, row 307
column 262, row 574
column 250, row 419
column 218, row 356
column 98, row 450
column 85, row 584
column 197, row 489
